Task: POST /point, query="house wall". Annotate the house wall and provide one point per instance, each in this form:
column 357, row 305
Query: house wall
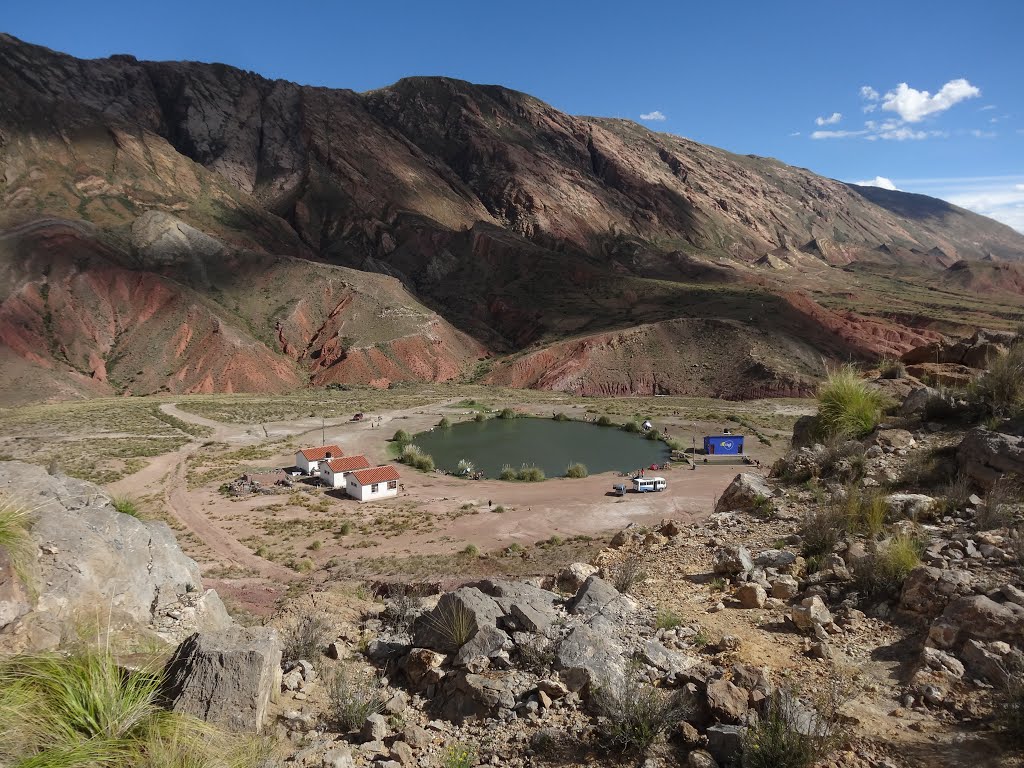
column 309, row 467
column 332, row 478
column 365, row 493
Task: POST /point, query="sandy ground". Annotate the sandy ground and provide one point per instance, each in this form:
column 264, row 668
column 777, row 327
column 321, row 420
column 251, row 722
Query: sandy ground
column 441, row 514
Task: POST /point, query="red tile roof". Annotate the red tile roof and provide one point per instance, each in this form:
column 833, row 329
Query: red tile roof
column 318, row 454
column 376, row 475
column 348, row 463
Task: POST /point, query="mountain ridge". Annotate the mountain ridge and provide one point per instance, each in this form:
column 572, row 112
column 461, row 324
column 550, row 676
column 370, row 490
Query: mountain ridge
column 515, row 225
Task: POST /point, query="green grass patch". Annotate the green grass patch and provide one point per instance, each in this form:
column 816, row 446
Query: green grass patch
column 848, row 406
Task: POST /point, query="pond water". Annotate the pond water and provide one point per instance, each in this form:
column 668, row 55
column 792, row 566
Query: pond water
column 545, row 443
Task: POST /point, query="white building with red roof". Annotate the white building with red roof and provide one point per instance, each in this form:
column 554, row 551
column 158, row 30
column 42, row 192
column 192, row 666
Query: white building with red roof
column 373, row 484
column 308, row 459
column 334, row 471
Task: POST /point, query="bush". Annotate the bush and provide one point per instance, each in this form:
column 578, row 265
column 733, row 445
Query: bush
column 560, row 417
column 459, row 756
column 666, row 618
column 15, row 539
column 307, row 639
column 628, row 573
column 409, row 453
column 631, row 426
column 956, row 494
column 603, row 421
column 507, row 413
column 464, row 467
column 470, row 550
column 424, row 463
column 576, row 470
column 998, row 509
column 537, row 655
column 354, row 697
column 1001, row 388
column 530, row 474
column 401, row 610
column 85, row 710
column 453, row 622
column 401, row 437
column 444, row 423
column 862, row 512
column 1010, row 714
column 479, row 418
column 847, row 405
column 821, row 530
column 126, row 505
column 653, row 434
column 891, row 368
column 788, row 735
column 635, row 714
column 507, row 473
column 881, row 574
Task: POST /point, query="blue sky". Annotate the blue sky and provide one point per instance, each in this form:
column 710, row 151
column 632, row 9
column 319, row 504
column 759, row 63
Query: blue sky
column 944, row 114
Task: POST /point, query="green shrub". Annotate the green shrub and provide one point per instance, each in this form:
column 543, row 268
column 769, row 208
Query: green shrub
column 452, row 621
column 126, row 505
column 1001, row 388
column 507, row 473
column 507, row 413
column 306, row 639
column 444, row 423
column 401, row 437
column 891, row 368
column 635, row 714
column 15, row 539
column 470, row 550
column 424, row 463
column 530, row 474
column 353, row 697
column 653, row 434
column 603, row 421
column 459, row 756
column 409, row 453
column 881, row 574
column 85, row 710
column 479, row 418
column 560, row 417
column 666, row 618
column 862, row 511
column 632, row 426
column 789, row 735
column 576, row 470
column 848, row 406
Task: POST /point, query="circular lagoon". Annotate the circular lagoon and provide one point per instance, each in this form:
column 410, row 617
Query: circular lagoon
column 545, row 443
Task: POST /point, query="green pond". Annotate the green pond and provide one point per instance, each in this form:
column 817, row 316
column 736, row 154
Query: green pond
column 545, row 443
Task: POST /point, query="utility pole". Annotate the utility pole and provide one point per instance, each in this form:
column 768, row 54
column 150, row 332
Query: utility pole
column 323, row 430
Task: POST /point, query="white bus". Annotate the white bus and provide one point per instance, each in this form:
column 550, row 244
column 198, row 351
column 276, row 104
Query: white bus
column 646, row 484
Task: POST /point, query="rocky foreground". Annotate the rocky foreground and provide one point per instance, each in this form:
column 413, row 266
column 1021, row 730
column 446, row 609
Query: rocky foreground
column 888, row 624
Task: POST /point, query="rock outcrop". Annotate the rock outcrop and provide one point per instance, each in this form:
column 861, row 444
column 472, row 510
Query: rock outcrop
column 95, row 564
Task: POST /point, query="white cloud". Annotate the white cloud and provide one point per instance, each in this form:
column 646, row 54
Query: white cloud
column 655, row 115
column 868, row 93
column 832, row 119
column 836, row 134
column 980, row 134
column 913, row 105
column 904, row 134
column 795, row 133
column 987, row 107
column 878, row 181
column 869, row 108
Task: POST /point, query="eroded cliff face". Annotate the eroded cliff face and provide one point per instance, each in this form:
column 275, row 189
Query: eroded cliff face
column 173, row 225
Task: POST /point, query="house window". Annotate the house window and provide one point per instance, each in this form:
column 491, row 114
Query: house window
column 373, row 488
column 392, row 485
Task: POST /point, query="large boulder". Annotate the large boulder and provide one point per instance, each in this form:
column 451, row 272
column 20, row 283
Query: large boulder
column 977, row 617
column 589, row 656
column 98, row 563
column 809, row 612
column 986, row 456
column 928, row 590
column 456, row 618
column 733, row 560
column 748, row 492
column 225, row 677
column 571, row 578
column 916, row 403
column 599, row 598
column 912, row 506
column 805, row 432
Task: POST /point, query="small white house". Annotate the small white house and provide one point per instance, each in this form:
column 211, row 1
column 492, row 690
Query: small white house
column 334, row 471
column 373, row 484
column 308, row 459
column 648, row 484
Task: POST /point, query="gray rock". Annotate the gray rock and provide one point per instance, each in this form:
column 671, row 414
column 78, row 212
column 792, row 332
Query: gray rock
column 339, row 757
column 774, row 558
column 487, row 642
column 374, row 728
column 986, row 456
column 727, row 702
column 164, row 240
column 977, row 617
column 784, row 588
column 588, row 656
column 657, row 655
column 700, row 758
column 725, row 742
column 599, row 598
column 98, row 557
column 913, row 506
column 572, row 577
column 456, row 618
column 226, row 677
column 915, row 403
column 751, row 596
column 531, row 620
column 733, row 560
column 983, row 663
column 747, row 492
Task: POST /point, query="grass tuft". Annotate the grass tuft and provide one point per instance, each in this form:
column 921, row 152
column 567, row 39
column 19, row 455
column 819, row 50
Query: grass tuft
column 307, row 639
column 354, row 697
column 847, row 405
column 15, row 539
column 788, row 735
column 127, row 505
column 634, row 714
column 576, row 470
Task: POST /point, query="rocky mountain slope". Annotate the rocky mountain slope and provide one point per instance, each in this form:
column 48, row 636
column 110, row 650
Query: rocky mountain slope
column 186, row 226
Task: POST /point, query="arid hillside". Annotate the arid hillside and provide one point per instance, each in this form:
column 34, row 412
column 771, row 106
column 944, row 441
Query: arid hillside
column 193, row 227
